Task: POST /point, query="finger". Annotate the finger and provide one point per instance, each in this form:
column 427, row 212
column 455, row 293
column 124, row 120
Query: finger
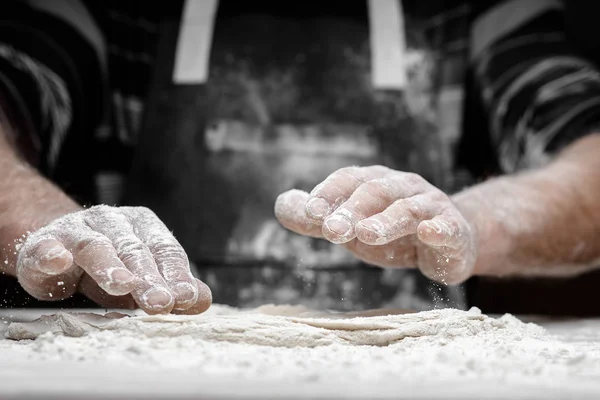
column 398, row 254
column 150, row 290
column 48, row 256
column 447, row 230
column 445, row 265
column 171, row 259
column 49, row 287
column 47, row 252
column 96, row 255
column 45, row 268
column 449, row 255
column 327, row 196
column 290, row 212
column 370, row 198
column 203, row 303
column 401, row 218
column 89, row 288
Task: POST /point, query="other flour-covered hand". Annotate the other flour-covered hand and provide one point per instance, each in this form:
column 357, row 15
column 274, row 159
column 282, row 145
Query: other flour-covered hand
column 116, row 256
column 386, row 218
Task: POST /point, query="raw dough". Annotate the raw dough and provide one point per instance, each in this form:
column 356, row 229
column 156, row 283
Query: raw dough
column 282, row 326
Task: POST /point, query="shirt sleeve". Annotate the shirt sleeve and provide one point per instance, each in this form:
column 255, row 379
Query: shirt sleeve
column 52, row 77
column 537, row 94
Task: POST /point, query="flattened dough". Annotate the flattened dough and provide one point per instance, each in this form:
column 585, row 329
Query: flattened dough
column 278, row 326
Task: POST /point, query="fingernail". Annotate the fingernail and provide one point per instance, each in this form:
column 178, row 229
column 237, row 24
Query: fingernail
column 157, row 297
column 339, row 225
column 54, row 253
column 121, row 276
column 118, row 282
column 185, row 293
column 55, row 260
column 317, row 208
column 425, row 228
column 436, row 227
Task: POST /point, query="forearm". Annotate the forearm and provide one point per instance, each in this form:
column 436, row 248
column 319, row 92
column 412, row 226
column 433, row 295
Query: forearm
column 541, row 222
column 28, row 201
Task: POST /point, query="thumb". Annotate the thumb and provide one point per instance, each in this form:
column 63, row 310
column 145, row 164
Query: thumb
column 46, row 271
column 48, row 256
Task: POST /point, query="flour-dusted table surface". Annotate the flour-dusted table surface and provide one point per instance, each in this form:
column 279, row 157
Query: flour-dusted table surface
column 30, row 369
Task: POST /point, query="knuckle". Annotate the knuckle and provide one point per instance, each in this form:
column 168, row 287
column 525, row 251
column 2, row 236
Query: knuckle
column 168, row 250
column 413, row 179
column 94, row 244
column 318, row 190
column 99, row 217
column 98, row 210
column 175, row 272
column 129, row 245
column 380, row 169
column 377, row 188
column 438, row 196
column 143, row 210
column 347, row 172
column 411, row 207
column 64, row 222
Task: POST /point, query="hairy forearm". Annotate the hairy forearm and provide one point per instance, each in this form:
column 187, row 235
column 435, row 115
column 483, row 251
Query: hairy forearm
column 540, row 222
column 28, row 201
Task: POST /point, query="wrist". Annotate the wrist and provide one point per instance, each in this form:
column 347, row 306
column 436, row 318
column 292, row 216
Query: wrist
column 493, row 242
column 21, row 216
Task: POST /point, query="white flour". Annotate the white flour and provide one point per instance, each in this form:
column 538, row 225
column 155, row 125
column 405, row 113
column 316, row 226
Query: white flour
column 466, row 348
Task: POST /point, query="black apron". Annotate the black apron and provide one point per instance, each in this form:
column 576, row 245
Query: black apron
column 288, row 99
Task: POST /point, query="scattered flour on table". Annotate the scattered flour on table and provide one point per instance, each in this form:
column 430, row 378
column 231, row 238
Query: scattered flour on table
column 298, row 345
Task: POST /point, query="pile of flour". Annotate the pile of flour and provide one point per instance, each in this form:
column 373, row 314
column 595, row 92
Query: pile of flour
column 276, row 345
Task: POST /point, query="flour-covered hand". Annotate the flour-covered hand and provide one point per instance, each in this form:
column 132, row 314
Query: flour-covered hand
column 386, row 218
column 116, row 256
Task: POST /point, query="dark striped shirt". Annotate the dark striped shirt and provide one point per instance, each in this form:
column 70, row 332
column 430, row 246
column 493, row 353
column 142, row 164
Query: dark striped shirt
column 539, row 94
column 531, row 90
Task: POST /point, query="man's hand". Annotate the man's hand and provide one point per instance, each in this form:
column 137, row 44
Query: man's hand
column 118, row 257
column 386, row 218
